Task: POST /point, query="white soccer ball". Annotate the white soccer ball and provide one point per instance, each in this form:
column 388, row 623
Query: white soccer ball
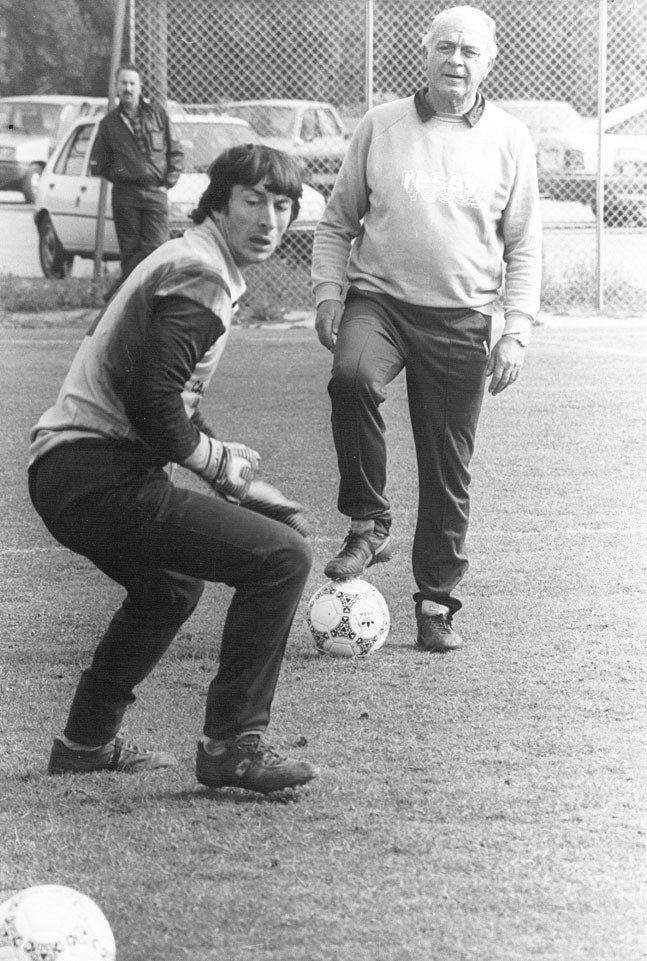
column 348, row 618
column 50, row 922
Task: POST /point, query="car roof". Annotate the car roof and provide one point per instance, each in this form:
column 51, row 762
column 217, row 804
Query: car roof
column 51, row 98
column 277, row 103
column 625, row 112
column 217, row 118
column 521, row 103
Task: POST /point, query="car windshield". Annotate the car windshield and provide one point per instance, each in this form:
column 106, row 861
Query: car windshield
column 551, row 116
column 30, row 118
column 267, row 121
column 202, row 142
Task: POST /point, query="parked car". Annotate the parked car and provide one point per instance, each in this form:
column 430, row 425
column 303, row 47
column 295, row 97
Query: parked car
column 554, row 125
column 68, row 195
column 625, row 161
column 30, row 127
column 567, row 155
column 310, row 129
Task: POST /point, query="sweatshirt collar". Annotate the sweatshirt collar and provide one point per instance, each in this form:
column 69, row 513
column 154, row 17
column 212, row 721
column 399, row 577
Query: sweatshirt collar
column 425, row 111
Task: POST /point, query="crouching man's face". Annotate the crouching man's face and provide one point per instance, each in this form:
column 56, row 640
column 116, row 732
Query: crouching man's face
column 253, row 222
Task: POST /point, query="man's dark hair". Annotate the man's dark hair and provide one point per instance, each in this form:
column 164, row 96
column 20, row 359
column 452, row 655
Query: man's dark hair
column 128, row 65
column 247, row 164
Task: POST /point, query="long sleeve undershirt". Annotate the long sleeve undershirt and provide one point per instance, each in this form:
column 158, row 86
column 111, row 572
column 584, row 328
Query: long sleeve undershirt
column 179, row 334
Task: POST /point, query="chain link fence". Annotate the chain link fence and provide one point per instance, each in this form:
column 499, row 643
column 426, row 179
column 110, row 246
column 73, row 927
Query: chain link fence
column 302, row 73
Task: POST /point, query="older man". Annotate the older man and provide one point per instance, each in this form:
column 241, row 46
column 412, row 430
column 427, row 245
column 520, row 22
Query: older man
column 437, row 194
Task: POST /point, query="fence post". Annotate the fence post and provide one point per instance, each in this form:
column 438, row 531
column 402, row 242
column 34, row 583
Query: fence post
column 368, row 75
column 131, row 31
column 157, row 13
column 599, row 187
column 117, row 38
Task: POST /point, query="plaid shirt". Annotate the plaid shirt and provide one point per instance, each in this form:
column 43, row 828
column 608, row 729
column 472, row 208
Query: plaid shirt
column 138, row 130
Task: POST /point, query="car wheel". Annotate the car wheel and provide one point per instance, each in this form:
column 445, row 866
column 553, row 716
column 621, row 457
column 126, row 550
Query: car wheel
column 54, row 260
column 30, row 182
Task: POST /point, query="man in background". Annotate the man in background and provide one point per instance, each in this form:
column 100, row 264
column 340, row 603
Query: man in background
column 437, row 194
column 136, row 150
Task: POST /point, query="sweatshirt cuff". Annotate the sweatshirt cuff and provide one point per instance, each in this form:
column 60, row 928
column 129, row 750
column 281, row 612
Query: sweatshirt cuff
column 327, row 291
column 519, row 325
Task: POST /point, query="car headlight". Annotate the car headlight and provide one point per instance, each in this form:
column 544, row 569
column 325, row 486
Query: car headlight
column 573, row 160
column 625, row 167
column 7, row 153
column 180, row 210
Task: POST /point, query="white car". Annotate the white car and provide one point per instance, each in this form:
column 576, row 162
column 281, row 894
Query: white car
column 566, row 145
column 67, row 199
column 312, row 130
column 30, row 127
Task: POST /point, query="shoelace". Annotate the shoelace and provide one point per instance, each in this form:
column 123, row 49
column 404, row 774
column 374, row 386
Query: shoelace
column 263, row 751
column 125, row 747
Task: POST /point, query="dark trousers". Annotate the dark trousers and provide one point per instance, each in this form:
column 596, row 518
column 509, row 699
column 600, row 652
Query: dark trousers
column 141, row 225
column 444, row 353
column 161, row 542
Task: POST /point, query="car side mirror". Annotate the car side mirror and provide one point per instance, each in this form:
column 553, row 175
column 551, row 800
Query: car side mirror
column 93, row 168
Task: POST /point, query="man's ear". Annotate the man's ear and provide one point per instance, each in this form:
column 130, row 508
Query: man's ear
column 489, row 67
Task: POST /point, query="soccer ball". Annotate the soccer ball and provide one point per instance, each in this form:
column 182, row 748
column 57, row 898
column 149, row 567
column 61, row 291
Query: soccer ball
column 50, row 922
column 348, row 618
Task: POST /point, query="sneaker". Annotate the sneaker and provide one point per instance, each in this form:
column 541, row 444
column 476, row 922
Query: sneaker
column 117, row 755
column 360, row 551
column 247, row 762
column 435, row 632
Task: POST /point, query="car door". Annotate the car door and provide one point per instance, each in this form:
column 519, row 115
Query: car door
column 66, row 186
column 88, row 205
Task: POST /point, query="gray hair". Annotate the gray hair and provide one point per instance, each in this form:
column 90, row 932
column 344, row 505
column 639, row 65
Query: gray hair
column 486, row 20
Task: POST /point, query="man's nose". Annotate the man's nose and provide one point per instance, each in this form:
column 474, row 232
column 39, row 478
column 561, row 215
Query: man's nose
column 267, row 215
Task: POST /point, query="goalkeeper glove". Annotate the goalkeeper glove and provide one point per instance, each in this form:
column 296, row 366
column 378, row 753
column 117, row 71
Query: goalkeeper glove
column 266, row 499
column 227, row 467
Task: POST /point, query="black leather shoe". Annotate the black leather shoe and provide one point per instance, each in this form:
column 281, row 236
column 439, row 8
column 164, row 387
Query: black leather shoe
column 247, row 762
column 435, row 633
column 360, row 551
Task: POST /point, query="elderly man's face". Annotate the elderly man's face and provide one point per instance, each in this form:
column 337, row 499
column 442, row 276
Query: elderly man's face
column 457, row 61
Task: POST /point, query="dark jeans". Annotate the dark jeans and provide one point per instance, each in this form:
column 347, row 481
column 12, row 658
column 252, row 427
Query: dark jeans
column 444, row 352
column 161, row 542
column 141, row 225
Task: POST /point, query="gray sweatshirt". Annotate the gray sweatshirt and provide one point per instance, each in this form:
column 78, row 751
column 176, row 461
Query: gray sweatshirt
column 433, row 209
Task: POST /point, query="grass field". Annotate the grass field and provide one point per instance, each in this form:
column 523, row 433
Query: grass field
column 488, row 805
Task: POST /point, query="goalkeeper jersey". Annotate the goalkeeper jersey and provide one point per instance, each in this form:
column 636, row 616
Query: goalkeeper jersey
column 142, row 369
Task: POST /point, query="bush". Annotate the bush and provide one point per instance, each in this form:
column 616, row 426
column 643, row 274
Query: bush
column 272, row 289
column 29, row 294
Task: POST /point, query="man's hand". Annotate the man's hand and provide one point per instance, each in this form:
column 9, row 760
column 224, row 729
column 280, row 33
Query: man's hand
column 241, row 450
column 236, row 470
column 266, row 499
column 329, row 314
column 504, row 364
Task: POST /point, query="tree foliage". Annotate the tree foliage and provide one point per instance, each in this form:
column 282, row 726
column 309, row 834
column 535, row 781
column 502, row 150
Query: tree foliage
column 548, row 48
column 55, row 46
